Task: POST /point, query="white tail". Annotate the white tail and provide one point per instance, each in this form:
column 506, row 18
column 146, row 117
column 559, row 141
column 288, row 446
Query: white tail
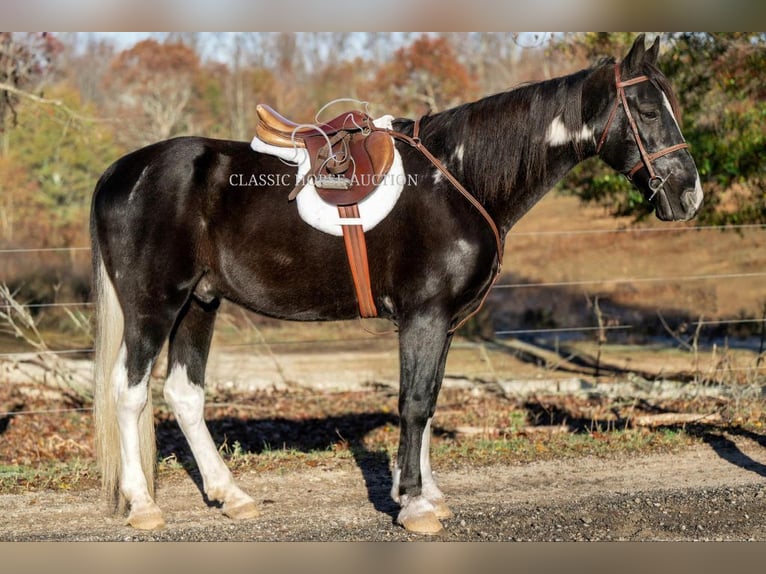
column 110, row 325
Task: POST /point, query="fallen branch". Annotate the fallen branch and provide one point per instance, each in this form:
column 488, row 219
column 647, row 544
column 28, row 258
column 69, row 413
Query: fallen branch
column 526, row 430
column 669, row 419
column 576, row 361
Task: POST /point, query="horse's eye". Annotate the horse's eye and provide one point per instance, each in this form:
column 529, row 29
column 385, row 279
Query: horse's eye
column 649, row 114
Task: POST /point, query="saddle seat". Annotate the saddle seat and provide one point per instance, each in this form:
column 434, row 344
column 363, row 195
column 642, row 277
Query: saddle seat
column 276, row 129
column 347, row 155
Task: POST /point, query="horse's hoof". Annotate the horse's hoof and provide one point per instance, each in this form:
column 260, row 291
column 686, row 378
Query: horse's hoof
column 441, row 509
column 422, row 524
column 418, row 515
column 147, row 520
column 242, row 511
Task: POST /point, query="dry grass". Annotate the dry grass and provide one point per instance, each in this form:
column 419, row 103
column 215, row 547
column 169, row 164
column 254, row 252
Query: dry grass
column 554, row 258
column 283, row 431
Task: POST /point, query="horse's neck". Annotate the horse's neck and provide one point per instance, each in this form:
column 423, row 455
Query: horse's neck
column 508, row 209
column 564, row 151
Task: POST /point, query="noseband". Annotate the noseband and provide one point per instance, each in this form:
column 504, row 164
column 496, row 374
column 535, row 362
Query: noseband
column 655, row 182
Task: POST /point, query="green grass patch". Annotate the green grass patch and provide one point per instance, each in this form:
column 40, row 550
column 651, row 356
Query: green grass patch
column 75, row 474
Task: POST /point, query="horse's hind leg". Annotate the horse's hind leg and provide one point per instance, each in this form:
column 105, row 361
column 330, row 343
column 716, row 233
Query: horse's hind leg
column 184, row 392
column 142, row 343
column 423, row 346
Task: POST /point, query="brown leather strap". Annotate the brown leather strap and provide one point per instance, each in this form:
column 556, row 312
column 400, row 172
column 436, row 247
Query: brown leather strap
column 356, row 251
column 620, row 84
column 415, row 142
column 652, row 156
column 646, row 158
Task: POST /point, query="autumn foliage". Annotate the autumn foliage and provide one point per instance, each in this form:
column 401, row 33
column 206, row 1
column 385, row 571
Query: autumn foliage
column 72, row 104
column 426, row 75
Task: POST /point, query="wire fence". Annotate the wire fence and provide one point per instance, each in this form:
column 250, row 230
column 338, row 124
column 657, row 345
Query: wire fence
column 552, row 331
column 499, row 286
column 513, row 233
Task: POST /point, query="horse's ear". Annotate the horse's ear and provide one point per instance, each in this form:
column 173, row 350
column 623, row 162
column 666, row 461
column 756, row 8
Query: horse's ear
column 634, row 59
column 653, row 52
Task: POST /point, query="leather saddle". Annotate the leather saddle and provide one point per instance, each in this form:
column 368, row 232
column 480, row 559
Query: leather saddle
column 349, row 158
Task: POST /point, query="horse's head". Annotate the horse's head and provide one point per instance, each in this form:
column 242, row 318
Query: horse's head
column 641, row 136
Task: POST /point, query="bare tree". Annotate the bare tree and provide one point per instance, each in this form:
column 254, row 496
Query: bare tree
column 25, row 63
column 153, row 84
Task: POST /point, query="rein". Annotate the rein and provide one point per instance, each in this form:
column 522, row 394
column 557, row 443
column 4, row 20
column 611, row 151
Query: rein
column 415, row 142
column 655, row 182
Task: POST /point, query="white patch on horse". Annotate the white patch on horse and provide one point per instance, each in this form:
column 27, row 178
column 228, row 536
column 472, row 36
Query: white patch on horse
column 188, row 403
column 698, row 195
column 464, row 247
column 558, row 134
column 459, row 260
column 438, row 176
column 323, row 216
column 388, row 303
column 396, row 476
column 459, row 151
column 430, row 489
column 668, row 107
column 138, row 183
column 130, row 401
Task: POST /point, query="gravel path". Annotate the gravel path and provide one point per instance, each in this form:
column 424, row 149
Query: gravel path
column 707, row 492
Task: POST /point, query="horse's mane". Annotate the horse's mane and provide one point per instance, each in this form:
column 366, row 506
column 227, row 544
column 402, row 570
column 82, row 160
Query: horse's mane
column 506, row 132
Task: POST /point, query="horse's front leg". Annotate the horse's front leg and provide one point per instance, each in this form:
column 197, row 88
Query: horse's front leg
column 423, row 345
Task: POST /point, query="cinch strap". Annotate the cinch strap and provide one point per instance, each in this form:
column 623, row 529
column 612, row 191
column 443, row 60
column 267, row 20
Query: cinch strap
column 356, row 251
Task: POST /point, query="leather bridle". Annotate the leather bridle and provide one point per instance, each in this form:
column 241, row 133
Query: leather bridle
column 655, row 182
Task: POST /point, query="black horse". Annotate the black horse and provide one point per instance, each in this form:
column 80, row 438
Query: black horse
column 173, row 234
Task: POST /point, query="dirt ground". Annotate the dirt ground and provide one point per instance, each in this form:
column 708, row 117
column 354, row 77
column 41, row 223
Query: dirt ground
column 714, row 489
column 708, row 492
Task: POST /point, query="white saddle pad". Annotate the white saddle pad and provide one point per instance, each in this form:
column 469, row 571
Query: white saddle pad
column 324, row 216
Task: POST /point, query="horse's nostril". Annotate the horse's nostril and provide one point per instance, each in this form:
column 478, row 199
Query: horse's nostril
column 688, row 200
column 690, row 203
column 692, row 197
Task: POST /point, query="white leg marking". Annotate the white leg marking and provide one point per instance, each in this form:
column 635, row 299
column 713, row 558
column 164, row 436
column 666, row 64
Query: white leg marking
column 558, row 134
column 430, row 489
column 188, row 402
column 396, row 475
column 421, row 513
column 130, row 402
